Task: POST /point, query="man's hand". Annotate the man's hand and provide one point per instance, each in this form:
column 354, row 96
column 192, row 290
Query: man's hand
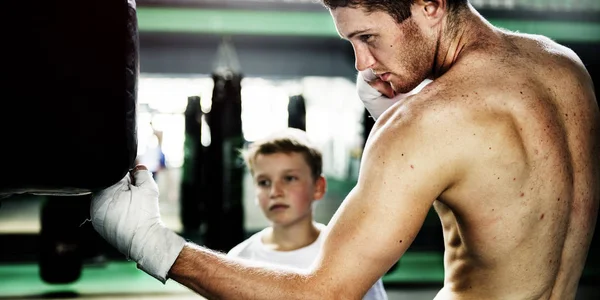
column 377, row 95
column 127, row 216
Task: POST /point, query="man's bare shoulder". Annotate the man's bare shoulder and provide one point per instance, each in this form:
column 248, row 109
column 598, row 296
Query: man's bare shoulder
column 412, row 142
column 437, row 119
column 426, row 110
column 541, row 46
column 443, row 105
column 454, row 117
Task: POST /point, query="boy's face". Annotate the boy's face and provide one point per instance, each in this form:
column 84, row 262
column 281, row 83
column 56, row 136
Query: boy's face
column 285, row 188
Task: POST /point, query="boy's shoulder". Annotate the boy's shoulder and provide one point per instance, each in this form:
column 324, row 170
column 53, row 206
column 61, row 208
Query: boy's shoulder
column 254, row 244
column 247, row 245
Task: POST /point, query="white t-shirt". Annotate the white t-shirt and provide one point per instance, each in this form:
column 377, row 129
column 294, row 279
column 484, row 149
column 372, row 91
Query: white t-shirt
column 254, row 249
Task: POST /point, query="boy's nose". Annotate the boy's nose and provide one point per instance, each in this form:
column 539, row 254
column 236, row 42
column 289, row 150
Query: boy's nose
column 276, row 190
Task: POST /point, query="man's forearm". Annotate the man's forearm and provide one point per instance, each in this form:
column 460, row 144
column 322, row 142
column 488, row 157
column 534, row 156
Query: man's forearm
column 214, row 276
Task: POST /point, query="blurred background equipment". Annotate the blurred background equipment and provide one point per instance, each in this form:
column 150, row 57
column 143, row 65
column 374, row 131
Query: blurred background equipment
column 297, row 112
column 192, row 204
column 222, row 172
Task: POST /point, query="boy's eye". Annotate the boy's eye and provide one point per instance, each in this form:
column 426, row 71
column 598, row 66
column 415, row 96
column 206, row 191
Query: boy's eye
column 290, row 178
column 263, row 183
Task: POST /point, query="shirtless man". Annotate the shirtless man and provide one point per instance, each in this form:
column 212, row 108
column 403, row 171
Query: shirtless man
column 503, row 143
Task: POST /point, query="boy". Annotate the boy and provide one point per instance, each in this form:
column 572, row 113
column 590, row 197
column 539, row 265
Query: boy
column 286, row 170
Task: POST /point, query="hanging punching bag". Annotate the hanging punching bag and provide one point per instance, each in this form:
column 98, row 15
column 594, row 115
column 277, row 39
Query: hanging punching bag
column 297, row 112
column 223, row 168
column 191, row 199
column 74, row 80
column 73, row 77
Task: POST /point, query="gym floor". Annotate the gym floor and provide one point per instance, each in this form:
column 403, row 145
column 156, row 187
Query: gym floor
column 418, row 276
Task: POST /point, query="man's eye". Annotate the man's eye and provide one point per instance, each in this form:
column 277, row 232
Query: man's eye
column 263, row 183
column 365, row 38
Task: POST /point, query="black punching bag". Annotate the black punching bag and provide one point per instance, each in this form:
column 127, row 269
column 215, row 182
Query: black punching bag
column 297, row 112
column 69, row 128
column 190, row 195
column 223, row 168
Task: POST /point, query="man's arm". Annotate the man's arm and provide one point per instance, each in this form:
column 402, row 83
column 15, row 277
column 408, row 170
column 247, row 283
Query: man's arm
column 403, row 171
column 216, row 276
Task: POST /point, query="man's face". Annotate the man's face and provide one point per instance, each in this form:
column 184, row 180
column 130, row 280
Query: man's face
column 400, row 54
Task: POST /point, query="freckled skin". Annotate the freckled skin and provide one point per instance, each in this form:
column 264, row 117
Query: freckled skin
column 533, row 246
column 526, row 238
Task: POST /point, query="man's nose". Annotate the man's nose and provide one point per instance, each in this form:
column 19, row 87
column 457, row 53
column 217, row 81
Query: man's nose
column 363, row 58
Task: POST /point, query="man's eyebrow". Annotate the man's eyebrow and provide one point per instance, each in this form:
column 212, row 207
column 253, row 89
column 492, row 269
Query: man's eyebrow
column 355, row 33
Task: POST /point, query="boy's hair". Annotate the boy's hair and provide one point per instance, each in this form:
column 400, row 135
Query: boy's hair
column 398, row 9
column 290, row 140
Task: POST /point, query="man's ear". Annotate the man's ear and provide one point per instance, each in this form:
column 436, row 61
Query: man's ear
column 320, row 188
column 432, row 10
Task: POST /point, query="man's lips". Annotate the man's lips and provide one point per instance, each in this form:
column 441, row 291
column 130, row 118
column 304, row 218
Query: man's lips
column 385, row 76
column 278, row 206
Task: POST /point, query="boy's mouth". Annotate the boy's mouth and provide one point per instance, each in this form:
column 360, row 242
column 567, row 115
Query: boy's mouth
column 278, row 207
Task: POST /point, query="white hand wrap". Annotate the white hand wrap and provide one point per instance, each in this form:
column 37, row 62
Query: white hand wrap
column 375, row 102
column 128, row 217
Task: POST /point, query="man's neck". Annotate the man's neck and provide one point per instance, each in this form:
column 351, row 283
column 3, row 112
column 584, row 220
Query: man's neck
column 453, row 43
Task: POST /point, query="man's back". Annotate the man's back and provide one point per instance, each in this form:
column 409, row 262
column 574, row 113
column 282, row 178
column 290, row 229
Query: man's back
column 519, row 221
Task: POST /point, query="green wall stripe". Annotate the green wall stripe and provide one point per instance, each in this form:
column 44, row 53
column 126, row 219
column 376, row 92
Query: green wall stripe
column 235, row 22
column 316, row 24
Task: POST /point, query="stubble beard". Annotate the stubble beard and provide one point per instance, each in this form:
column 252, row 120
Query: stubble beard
column 416, row 57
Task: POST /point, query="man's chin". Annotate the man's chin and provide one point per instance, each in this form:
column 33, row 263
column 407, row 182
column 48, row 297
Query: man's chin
column 398, row 89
